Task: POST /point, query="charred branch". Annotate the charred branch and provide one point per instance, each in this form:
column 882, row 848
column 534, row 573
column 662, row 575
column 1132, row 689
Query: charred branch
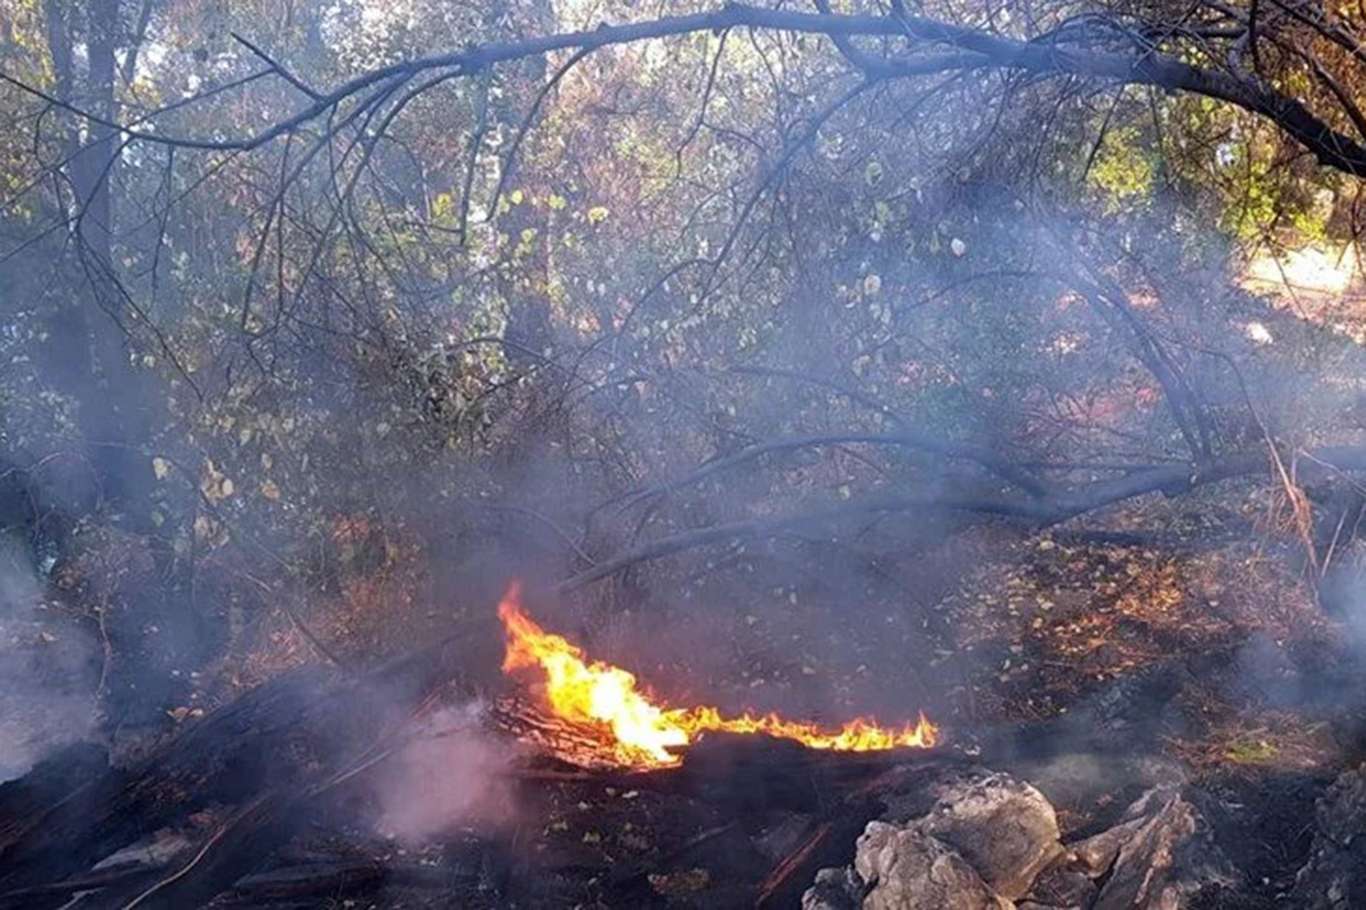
column 261, row 736
column 920, row 442
column 1172, row 480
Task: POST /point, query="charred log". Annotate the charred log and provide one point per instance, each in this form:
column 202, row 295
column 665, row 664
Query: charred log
column 284, row 736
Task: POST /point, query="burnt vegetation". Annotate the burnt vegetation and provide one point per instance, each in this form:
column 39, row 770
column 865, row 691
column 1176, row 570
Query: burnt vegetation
column 1002, row 361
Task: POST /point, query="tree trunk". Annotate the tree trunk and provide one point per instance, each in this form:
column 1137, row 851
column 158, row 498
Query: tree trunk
column 90, row 347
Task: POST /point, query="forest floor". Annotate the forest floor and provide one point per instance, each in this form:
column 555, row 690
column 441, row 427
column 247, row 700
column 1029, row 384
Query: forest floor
column 1178, row 629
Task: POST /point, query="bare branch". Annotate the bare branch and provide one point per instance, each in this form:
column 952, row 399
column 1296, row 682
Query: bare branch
column 278, row 68
column 1142, row 65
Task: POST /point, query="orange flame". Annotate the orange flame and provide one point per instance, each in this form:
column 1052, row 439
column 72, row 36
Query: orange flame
column 603, row 696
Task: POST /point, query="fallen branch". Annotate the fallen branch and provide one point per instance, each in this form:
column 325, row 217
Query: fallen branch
column 1040, row 513
column 114, row 876
column 316, row 879
column 286, row 733
column 920, row 441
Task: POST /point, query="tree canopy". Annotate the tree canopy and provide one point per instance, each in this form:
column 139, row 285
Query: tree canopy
column 308, row 304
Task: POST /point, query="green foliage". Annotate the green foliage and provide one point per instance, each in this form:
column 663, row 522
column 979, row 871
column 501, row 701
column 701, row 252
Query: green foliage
column 1123, row 169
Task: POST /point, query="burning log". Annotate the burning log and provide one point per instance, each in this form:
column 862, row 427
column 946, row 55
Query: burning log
column 635, row 730
column 286, row 753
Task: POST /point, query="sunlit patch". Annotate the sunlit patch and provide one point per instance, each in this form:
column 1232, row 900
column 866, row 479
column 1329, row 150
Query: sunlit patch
column 1066, row 343
column 1258, row 333
column 1310, row 269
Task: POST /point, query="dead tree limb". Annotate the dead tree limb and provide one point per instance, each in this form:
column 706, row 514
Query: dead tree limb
column 1170, row 480
column 924, row 442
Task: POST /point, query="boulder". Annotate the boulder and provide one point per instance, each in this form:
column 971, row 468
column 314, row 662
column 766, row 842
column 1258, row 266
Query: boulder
column 991, row 841
column 1064, row 885
column 1096, row 854
column 835, row 889
column 1166, row 859
column 907, row 869
column 1003, row 827
column 978, row 840
column 1334, row 878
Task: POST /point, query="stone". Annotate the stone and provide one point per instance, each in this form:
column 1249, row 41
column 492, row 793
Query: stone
column 1065, row 885
column 1334, row 878
column 991, row 841
column 1097, row 853
column 1167, row 859
column 835, row 889
column 1005, row 829
column 907, row 869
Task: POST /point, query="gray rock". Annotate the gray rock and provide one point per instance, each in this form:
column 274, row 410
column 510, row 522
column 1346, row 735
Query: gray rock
column 835, row 889
column 1334, row 878
column 1003, row 827
column 1167, row 859
column 990, row 840
column 1065, row 885
column 1097, row 853
column 908, row 869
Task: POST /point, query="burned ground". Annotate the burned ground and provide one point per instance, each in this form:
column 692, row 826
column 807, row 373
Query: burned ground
column 1092, row 665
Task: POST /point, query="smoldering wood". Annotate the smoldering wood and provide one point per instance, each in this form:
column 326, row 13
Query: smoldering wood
column 333, row 878
column 784, row 812
column 751, row 785
column 50, row 781
column 122, row 875
column 283, row 754
column 281, row 737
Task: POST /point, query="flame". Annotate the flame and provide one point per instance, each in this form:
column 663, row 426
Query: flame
column 600, row 695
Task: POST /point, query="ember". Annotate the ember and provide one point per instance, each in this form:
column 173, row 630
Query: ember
column 643, row 732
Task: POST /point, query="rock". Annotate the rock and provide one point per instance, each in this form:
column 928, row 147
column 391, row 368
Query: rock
column 1097, row 853
column 1334, row 878
column 1166, row 859
column 908, row 869
column 1003, row 827
column 1340, row 814
column 1064, row 886
column 978, row 840
column 835, row 889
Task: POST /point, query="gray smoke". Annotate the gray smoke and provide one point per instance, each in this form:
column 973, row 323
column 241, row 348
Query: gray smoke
column 48, row 666
column 450, row 777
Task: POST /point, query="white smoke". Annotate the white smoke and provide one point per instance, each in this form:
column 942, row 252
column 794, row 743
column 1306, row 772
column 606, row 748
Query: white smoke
column 46, row 664
column 451, row 776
